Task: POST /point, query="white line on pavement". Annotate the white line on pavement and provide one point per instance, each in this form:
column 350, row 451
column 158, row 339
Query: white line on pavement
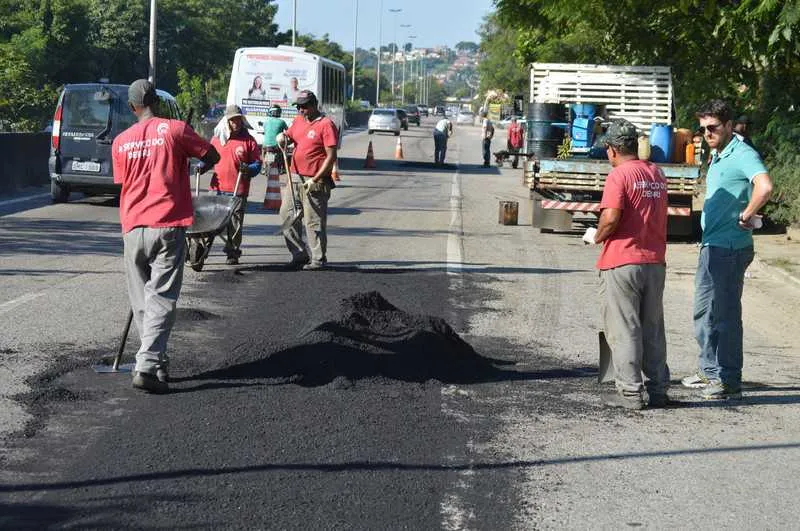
column 9, row 305
column 22, row 199
column 455, row 245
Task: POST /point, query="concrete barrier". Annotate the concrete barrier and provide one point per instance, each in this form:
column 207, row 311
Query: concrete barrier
column 23, row 160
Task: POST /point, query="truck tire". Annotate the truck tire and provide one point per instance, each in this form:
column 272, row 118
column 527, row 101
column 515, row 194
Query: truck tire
column 59, row 193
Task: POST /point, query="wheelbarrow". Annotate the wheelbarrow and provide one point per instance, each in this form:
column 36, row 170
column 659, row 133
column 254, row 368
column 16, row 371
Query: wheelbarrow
column 212, row 215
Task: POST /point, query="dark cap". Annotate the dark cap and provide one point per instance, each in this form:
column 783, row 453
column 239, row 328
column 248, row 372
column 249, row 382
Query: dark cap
column 304, row 97
column 620, row 133
column 743, row 119
column 142, row 93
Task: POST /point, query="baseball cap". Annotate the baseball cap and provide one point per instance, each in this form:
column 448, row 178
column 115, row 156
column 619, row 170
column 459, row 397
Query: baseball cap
column 304, row 97
column 743, row 119
column 142, row 93
column 620, row 132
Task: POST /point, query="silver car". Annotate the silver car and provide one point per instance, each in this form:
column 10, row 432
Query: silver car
column 386, row 120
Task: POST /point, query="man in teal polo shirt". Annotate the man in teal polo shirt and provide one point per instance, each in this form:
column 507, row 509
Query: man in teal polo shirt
column 737, row 186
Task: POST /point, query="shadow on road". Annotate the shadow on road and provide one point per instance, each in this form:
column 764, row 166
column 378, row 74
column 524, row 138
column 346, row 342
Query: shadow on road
column 58, row 236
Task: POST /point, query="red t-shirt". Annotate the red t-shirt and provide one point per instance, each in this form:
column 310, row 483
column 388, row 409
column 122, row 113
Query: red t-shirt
column 515, row 136
column 239, row 148
column 151, row 161
column 639, row 189
column 310, row 140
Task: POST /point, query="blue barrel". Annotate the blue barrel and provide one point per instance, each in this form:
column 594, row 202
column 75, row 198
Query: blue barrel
column 660, row 142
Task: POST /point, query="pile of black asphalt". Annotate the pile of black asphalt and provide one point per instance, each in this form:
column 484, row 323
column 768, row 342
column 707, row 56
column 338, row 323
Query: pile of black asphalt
column 366, row 337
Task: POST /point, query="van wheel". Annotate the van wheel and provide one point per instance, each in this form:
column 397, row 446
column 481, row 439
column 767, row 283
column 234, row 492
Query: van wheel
column 59, row 193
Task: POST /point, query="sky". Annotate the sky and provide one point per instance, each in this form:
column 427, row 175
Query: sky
column 433, row 22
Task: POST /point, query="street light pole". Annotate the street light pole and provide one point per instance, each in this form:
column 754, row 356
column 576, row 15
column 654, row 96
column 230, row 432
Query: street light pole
column 355, row 49
column 378, row 75
column 403, row 86
column 294, row 21
column 394, row 46
column 153, row 21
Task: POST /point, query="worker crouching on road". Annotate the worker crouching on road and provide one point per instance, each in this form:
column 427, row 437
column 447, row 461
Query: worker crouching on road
column 238, row 152
column 151, row 162
column 633, row 230
column 315, row 138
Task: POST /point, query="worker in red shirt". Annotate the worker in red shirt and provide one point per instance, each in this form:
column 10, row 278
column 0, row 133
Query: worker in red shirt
column 632, row 264
column 151, row 162
column 238, row 151
column 515, row 140
column 315, row 138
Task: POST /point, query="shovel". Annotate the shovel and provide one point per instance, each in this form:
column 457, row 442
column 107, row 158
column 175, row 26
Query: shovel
column 115, row 366
column 606, row 369
column 297, row 206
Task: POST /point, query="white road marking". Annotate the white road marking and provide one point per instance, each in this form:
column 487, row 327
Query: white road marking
column 455, row 244
column 23, row 199
column 9, row 305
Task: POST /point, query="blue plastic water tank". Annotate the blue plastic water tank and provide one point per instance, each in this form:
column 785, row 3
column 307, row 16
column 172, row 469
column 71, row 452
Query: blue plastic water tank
column 582, row 132
column 584, row 110
column 660, row 142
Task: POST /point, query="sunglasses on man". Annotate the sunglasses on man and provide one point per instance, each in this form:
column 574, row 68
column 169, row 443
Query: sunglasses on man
column 710, row 129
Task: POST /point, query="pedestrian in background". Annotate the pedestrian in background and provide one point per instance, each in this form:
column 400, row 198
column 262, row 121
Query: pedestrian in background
column 741, row 127
column 487, row 133
column 441, row 132
column 315, row 138
column 239, row 152
column 151, row 162
column 737, row 187
column 515, row 140
column 632, row 264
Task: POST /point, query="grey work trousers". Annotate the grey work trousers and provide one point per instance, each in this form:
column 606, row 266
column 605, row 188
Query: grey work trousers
column 633, row 318
column 154, row 260
column 315, row 221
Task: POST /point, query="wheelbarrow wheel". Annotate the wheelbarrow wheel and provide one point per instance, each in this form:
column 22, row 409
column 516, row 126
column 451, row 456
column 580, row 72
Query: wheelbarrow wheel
column 197, row 253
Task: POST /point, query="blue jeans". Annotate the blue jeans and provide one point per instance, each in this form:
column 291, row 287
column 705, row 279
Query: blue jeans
column 718, row 312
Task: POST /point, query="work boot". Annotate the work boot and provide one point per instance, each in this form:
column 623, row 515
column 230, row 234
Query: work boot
column 314, row 266
column 232, row 260
column 658, row 401
column 632, row 401
column 149, row 383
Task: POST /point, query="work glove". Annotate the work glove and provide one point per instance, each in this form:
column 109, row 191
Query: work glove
column 311, row 186
column 588, row 236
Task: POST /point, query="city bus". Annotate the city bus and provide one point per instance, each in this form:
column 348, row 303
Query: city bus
column 262, row 77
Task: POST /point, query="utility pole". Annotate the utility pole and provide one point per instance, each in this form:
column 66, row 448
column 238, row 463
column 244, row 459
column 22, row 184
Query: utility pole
column 378, row 75
column 403, row 86
column 355, row 49
column 394, row 46
column 153, row 21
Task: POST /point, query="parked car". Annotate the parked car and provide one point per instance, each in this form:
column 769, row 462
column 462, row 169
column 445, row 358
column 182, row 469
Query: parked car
column 403, row 119
column 385, row 120
column 423, row 110
column 438, row 110
column 413, row 114
column 87, row 119
column 465, row 118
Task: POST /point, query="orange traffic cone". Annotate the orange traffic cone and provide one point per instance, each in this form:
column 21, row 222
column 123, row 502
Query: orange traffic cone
column 398, row 150
column 335, row 172
column 272, row 201
column 370, row 162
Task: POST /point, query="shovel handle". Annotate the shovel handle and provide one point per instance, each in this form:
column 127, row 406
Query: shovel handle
column 123, row 340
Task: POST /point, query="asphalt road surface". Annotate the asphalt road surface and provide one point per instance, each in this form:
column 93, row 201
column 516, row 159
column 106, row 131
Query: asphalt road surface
column 292, row 410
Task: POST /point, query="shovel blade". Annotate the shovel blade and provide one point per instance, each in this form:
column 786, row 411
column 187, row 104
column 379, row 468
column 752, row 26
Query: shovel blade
column 606, row 368
column 289, row 222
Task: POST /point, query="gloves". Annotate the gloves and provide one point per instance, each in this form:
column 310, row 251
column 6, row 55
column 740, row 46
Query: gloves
column 588, row 236
column 312, row 186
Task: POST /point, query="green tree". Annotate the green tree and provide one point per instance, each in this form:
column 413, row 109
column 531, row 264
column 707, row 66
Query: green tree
column 500, row 67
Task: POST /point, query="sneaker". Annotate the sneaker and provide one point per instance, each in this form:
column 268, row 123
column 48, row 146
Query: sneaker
column 232, row 260
column 314, row 266
column 633, row 402
column 149, row 382
column 695, row 381
column 660, row 401
column 716, row 390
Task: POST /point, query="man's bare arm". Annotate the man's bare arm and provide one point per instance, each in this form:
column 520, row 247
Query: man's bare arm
column 609, row 221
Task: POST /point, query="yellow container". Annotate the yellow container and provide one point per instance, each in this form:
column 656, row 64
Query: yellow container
column 644, row 148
